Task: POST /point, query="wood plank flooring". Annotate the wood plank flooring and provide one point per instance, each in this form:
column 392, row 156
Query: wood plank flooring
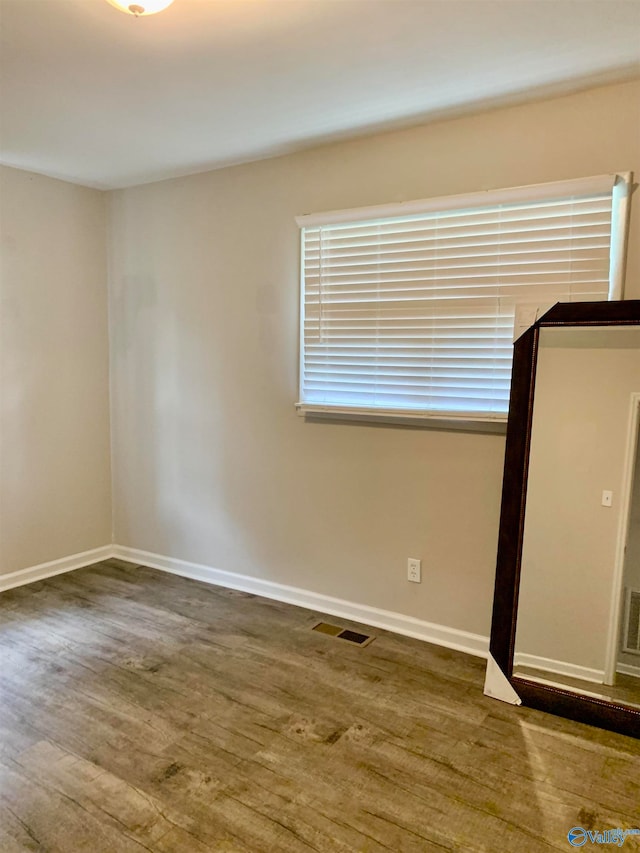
column 142, row 711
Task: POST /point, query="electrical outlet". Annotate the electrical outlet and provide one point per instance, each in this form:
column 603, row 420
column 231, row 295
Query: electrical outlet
column 414, row 570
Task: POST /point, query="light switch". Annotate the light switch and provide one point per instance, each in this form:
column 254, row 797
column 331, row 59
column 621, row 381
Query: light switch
column 607, row 498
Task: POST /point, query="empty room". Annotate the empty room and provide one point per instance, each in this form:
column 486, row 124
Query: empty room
column 319, row 426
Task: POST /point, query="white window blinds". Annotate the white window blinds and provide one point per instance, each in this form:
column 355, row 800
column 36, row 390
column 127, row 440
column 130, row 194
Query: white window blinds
column 414, row 314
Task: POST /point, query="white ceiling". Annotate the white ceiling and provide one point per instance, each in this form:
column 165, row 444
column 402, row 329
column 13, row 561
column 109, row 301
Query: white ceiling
column 101, row 98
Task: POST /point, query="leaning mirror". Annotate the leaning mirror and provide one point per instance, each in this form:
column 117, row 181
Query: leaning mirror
column 565, row 634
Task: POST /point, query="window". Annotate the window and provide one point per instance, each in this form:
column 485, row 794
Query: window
column 409, row 310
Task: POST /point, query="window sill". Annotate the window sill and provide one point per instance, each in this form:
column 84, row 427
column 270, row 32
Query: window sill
column 496, row 424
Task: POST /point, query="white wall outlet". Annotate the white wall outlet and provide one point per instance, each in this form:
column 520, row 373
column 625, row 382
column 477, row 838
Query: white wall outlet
column 414, row 570
column 607, row 498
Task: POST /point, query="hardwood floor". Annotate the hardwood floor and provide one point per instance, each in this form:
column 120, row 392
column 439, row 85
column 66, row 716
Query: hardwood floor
column 142, row 711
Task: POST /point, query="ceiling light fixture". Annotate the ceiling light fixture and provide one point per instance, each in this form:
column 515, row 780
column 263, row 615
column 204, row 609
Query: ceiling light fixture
column 144, row 7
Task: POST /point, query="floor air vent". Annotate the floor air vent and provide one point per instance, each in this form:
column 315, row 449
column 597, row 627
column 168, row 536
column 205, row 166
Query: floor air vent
column 631, row 641
column 343, row 634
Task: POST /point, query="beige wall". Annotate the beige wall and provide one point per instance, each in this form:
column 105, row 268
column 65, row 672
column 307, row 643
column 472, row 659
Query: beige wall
column 584, row 386
column 211, row 462
column 55, row 492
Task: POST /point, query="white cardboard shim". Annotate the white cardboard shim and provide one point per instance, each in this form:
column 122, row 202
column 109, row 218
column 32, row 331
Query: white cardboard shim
column 497, row 685
column 526, row 315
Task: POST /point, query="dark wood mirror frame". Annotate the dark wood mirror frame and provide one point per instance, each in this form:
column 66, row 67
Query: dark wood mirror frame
column 597, row 712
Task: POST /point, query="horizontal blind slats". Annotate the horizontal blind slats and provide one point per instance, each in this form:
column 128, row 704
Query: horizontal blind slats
column 417, row 312
column 595, row 202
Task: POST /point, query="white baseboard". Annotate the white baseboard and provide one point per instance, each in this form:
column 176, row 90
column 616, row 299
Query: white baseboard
column 559, row 667
column 628, row 669
column 55, row 567
column 451, row 638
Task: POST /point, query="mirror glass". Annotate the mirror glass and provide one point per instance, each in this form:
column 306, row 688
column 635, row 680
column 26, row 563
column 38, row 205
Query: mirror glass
column 578, row 621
